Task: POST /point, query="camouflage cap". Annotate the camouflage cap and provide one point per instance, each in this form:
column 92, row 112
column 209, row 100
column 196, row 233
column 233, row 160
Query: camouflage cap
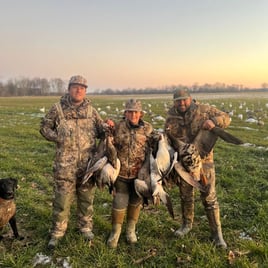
column 181, row 94
column 133, row 105
column 78, row 79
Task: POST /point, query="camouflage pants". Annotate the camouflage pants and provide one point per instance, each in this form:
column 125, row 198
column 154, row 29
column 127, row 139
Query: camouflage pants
column 209, row 199
column 125, row 194
column 65, row 192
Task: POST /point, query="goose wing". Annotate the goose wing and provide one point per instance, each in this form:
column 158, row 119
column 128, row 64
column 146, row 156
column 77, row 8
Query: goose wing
column 206, row 139
column 187, row 177
column 96, row 167
column 226, row 136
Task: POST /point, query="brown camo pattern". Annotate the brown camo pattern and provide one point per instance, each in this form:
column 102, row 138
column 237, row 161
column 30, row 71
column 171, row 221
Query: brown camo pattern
column 186, row 127
column 131, row 145
column 75, row 137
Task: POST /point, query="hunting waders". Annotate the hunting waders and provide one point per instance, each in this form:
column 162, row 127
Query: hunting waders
column 187, row 208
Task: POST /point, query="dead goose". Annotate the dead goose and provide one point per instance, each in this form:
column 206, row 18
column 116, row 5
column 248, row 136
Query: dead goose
column 149, row 184
column 105, row 153
column 162, row 158
column 110, row 151
column 189, row 167
column 108, row 175
column 98, row 165
column 143, row 183
column 110, row 171
column 189, row 164
column 190, row 155
column 165, row 156
column 206, row 139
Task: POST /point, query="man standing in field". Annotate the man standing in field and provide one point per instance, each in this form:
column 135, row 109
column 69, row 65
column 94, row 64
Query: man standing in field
column 74, row 125
column 184, row 121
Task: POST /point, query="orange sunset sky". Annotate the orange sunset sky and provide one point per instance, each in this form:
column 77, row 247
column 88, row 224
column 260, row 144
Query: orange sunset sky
column 143, row 43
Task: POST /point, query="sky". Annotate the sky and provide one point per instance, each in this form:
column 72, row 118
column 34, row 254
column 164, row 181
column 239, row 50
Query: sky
column 136, row 43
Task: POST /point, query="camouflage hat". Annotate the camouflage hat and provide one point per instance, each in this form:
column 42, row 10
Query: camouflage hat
column 133, row 105
column 181, row 94
column 78, row 79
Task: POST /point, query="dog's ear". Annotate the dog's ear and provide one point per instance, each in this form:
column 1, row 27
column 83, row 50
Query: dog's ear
column 15, row 182
column 1, row 183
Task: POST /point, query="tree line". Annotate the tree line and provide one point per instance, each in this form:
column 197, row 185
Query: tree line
column 32, row 87
column 57, row 86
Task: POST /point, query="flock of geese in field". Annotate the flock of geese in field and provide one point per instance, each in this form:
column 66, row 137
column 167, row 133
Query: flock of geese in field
column 155, row 112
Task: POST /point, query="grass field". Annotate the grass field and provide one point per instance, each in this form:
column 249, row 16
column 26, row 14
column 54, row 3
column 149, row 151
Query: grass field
column 242, row 186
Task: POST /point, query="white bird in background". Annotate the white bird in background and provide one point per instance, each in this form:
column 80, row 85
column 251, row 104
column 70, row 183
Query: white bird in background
column 103, row 113
column 231, row 113
column 159, row 118
column 251, row 120
column 43, row 109
column 240, row 116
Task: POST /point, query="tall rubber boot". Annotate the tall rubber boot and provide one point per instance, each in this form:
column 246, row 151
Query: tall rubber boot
column 187, row 209
column 60, row 218
column 85, row 198
column 117, row 221
column 213, row 216
column 133, row 212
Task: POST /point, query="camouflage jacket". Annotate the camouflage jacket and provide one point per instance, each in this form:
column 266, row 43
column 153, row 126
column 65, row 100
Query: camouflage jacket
column 74, row 130
column 131, row 144
column 185, row 126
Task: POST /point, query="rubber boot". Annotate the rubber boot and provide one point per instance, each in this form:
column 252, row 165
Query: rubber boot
column 213, row 216
column 187, row 209
column 60, row 218
column 88, row 236
column 117, row 221
column 133, row 213
column 85, row 197
column 53, row 242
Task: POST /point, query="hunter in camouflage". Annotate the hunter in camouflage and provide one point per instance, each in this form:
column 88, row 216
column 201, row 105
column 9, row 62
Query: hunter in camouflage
column 131, row 140
column 184, row 121
column 74, row 125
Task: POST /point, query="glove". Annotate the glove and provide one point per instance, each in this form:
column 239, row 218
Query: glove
column 110, row 123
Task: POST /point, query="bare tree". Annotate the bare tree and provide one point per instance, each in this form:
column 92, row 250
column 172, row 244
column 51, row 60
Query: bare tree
column 264, row 85
column 57, row 86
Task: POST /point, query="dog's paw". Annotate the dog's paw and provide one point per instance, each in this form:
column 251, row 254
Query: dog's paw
column 19, row 237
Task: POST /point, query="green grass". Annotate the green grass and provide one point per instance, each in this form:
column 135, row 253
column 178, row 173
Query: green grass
column 242, row 187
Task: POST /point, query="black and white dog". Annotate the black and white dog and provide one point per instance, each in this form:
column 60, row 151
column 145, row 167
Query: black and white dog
column 7, row 205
